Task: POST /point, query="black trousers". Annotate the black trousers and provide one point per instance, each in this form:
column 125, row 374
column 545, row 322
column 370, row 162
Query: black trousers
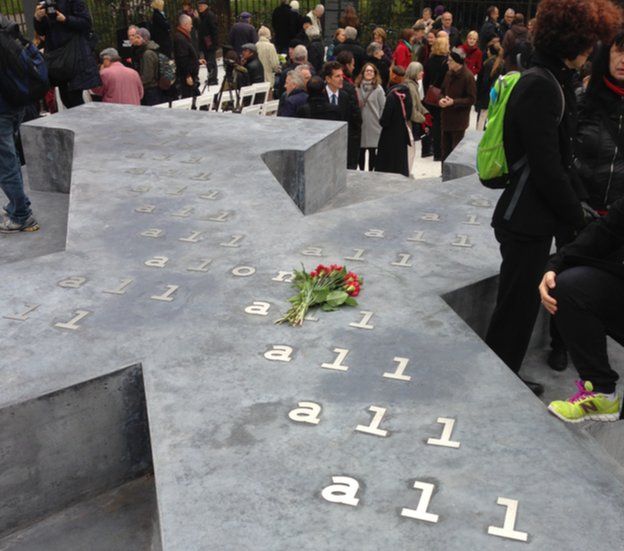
column 450, row 140
column 211, row 65
column 436, row 132
column 70, row 98
column 590, row 306
column 372, row 156
column 518, row 301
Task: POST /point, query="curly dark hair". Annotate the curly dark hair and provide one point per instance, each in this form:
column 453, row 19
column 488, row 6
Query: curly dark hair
column 569, row 28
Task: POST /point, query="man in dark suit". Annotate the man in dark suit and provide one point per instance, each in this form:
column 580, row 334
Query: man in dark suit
column 351, row 45
column 347, row 105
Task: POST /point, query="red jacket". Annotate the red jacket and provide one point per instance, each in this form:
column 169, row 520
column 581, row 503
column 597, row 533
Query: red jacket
column 402, row 56
column 474, row 58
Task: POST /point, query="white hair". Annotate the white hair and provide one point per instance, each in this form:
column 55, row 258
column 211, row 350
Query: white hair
column 350, row 33
column 300, row 54
column 296, row 78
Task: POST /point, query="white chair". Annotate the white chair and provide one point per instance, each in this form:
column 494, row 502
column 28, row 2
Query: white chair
column 185, row 103
column 163, row 105
column 252, row 110
column 59, row 102
column 261, row 93
column 86, row 96
column 247, row 95
column 270, row 108
column 203, row 101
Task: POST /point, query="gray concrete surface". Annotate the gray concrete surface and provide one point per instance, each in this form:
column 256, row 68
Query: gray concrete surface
column 232, row 470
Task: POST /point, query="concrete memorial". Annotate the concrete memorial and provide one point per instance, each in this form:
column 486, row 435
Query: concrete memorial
column 151, row 340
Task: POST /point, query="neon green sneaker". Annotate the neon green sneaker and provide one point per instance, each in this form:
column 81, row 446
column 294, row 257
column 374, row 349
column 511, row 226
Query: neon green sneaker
column 586, row 405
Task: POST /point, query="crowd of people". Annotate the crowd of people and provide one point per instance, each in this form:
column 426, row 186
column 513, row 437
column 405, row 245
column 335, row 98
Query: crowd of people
column 563, row 135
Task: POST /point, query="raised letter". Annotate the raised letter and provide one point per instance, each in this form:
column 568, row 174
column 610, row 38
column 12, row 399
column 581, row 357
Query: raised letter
column 146, row 209
column 166, row 296
column 430, row 217
column 462, row 241
column 24, row 315
column 337, row 363
column 312, row 251
column 210, row 195
column 157, row 262
column 509, row 524
column 193, row 238
column 201, row 177
column 279, row 353
column 373, row 428
column 398, row 374
column 152, row 232
column 73, row 282
column 363, row 323
column 447, row 431
column 403, row 260
column 183, row 213
column 203, row 267
column 72, row 324
column 307, row 412
column 418, row 237
column 472, row 220
column 233, row 242
column 378, row 234
column 243, row 271
column 258, row 308
column 178, row 192
column 285, row 277
column 343, row 490
column 420, row 513
column 223, row 216
column 357, row 255
column 121, row 289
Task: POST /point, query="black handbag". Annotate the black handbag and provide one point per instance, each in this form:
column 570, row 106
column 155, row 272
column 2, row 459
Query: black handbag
column 63, row 62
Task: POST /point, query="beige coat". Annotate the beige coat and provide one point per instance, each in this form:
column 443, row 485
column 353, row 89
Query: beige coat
column 418, row 111
column 267, row 54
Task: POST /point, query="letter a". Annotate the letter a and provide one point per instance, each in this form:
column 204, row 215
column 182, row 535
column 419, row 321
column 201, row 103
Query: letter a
column 279, row 353
column 258, row 308
column 307, row 412
column 343, row 490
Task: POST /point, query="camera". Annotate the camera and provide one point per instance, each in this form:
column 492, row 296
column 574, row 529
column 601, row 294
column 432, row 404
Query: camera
column 49, row 6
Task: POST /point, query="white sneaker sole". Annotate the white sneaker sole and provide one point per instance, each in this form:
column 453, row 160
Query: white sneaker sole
column 607, row 417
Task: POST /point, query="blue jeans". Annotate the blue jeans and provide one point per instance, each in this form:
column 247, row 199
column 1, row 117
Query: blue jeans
column 11, row 181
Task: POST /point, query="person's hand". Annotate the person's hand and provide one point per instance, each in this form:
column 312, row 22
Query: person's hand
column 189, row 81
column 39, row 12
column 60, row 17
column 445, row 102
column 548, row 283
column 202, row 61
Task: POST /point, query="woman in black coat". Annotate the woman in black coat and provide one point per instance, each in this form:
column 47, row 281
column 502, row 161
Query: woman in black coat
column 435, row 71
column 599, row 143
column 161, row 28
column 70, row 20
column 395, row 137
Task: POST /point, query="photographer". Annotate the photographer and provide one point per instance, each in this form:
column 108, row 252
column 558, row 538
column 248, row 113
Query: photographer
column 66, row 24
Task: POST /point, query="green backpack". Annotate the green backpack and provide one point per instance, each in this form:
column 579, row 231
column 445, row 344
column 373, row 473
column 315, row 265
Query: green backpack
column 492, row 167
column 491, row 161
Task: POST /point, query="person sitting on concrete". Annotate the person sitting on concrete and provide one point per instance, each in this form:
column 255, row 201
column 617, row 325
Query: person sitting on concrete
column 242, row 32
column 583, row 288
column 16, row 216
column 255, row 70
column 294, row 97
column 120, row 84
column 147, row 55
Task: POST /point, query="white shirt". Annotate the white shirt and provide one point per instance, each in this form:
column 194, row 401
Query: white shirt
column 330, row 94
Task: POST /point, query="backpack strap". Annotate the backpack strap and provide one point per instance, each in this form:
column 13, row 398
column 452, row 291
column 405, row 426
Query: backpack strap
column 523, row 163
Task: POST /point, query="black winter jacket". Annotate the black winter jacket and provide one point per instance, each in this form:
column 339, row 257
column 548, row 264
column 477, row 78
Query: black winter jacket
column 550, row 200
column 358, row 53
column 160, row 31
column 255, row 70
column 78, row 22
column 186, row 57
column 599, row 147
column 600, row 245
column 316, row 54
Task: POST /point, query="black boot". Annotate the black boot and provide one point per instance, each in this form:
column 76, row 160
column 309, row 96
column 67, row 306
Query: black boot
column 558, row 359
column 536, row 388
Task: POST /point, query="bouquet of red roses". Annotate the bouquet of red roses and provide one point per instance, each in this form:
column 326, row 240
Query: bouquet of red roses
column 329, row 287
